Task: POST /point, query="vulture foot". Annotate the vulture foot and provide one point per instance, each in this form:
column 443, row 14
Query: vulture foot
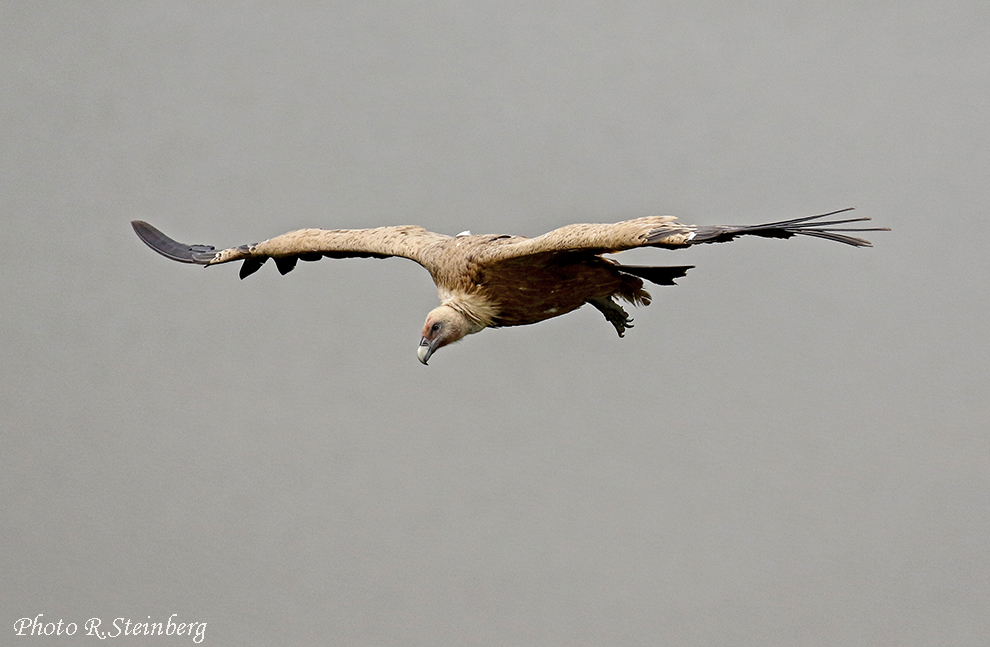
column 614, row 314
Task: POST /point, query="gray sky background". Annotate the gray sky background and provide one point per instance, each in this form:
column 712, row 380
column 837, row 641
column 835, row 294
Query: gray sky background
column 790, row 448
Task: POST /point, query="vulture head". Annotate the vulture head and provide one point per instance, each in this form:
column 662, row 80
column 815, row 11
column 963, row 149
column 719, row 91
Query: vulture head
column 444, row 325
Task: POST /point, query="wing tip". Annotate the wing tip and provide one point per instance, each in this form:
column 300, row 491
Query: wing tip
column 170, row 248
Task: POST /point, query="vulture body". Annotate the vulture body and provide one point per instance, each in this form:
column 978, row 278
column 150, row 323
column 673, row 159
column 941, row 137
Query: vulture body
column 491, row 281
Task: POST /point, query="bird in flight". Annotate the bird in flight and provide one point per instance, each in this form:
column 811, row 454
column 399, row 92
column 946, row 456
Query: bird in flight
column 491, row 281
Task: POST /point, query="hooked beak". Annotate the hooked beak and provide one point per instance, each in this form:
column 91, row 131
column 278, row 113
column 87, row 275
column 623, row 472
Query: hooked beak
column 425, row 350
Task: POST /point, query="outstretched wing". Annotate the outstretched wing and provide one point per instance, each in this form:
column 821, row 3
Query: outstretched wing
column 408, row 241
column 665, row 231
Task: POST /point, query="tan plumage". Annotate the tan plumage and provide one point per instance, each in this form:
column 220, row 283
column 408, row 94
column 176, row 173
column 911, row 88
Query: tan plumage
column 492, row 281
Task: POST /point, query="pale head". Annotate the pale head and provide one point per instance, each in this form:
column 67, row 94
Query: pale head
column 444, row 325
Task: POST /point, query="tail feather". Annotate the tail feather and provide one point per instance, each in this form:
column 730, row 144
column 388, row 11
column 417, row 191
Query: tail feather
column 656, row 275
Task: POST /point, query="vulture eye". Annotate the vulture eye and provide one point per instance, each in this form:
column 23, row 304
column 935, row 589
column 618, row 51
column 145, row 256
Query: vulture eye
column 435, row 328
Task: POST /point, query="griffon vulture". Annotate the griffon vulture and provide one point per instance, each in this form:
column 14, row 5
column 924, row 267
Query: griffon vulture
column 491, row 281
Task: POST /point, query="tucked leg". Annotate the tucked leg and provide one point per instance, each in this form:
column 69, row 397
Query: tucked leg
column 613, row 313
